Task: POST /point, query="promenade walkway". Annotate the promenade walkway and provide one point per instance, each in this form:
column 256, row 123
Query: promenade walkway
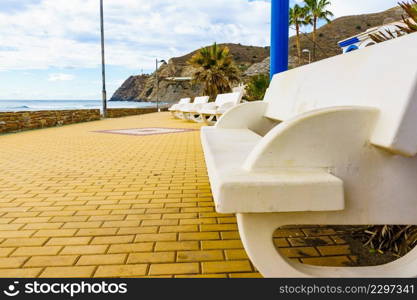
column 75, row 202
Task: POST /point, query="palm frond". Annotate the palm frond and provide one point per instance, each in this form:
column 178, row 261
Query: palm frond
column 409, row 19
column 216, row 70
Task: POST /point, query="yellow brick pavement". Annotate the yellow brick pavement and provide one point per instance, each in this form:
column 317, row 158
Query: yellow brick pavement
column 77, row 203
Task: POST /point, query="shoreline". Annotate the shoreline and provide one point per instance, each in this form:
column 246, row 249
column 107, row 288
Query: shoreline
column 60, row 105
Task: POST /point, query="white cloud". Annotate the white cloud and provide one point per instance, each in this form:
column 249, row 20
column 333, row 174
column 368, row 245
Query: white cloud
column 356, row 7
column 65, row 34
column 61, row 33
column 60, row 77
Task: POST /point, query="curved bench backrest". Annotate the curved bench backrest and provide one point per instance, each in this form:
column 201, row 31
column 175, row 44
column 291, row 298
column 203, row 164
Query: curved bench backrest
column 382, row 76
column 234, row 98
column 201, row 100
column 185, row 101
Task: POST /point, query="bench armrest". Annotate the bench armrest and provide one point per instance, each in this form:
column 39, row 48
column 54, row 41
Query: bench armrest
column 322, row 138
column 225, row 107
column 249, row 115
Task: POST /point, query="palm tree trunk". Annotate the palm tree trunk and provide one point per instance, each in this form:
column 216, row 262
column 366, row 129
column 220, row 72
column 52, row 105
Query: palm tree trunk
column 297, row 28
column 314, row 38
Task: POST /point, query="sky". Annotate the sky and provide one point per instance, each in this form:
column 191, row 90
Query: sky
column 50, row 49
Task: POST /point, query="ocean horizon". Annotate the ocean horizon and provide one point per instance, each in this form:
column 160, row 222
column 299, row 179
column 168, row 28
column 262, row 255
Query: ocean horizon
column 35, row 105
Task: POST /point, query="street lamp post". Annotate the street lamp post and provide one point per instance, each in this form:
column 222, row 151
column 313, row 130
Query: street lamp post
column 103, row 63
column 157, row 82
column 309, row 54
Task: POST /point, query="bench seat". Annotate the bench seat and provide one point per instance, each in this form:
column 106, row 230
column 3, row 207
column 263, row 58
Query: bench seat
column 236, row 190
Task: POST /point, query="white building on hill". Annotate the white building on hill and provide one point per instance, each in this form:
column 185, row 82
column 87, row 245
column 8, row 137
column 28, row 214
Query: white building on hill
column 363, row 40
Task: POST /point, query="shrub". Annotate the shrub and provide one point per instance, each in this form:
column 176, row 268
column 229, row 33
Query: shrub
column 256, row 87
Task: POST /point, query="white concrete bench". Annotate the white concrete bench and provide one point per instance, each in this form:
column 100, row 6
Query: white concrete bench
column 174, row 109
column 185, row 111
column 210, row 112
column 333, row 143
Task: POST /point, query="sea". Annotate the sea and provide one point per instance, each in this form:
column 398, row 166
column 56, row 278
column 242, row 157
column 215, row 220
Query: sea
column 35, row 105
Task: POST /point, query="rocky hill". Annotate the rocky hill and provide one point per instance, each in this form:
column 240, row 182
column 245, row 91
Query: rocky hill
column 143, row 87
column 251, row 60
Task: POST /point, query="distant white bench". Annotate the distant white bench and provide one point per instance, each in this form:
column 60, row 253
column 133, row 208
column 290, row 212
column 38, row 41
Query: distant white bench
column 210, row 112
column 186, row 110
column 333, row 143
column 174, row 109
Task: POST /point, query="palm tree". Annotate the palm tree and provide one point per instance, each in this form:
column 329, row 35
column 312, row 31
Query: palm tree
column 318, row 11
column 298, row 18
column 216, row 70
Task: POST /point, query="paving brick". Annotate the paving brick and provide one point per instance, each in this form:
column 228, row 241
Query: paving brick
column 194, row 256
column 226, row 266
column 121, row 271
column 230, row 220
column 32, row 220
column 50, row 261
column 10, row 227
column 113, row 224
column 31, row 251
column 236, row 254
column 176, row 246
column 319, row 231
column 338, row 240
column 219, row 227
column 230, row 235
column 68, row 272
column 20, row 273
column 173, row 269
column 299, row 252
column 202, row 276
column 23, row 242
column 69, row 241
column 130, row 248
column 170, row 222
column 197, row 236
column 196, row 209
column 227, row 244
column 6, row 251
column 138, row 230
column 82, row 250
column 180, row 228
column 17, row 233
column 198, row 221
column 151, row 257
column 334, row 250
column 96, row 232
column 43, row 226
column 106, row 218
column 109, row 240
column 89, row 224
column 283, row 243
column 156, row 237
column 180, row 216
column 139, row 217
column 245, row 275
column 104, row 259
column 12, row 262
column 55, row 233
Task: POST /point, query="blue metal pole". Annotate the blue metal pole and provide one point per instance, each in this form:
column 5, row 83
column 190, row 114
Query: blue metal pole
column 279, row 36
